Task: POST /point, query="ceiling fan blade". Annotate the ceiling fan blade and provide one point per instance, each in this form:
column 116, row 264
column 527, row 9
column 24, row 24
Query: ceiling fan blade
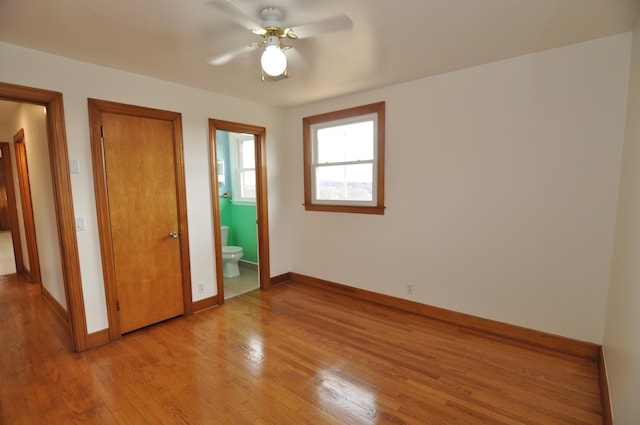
column 234, row 12
column 335, row 24
column 228, row 56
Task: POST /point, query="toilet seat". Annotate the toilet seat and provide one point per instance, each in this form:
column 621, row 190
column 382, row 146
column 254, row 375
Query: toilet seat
column 231, row 249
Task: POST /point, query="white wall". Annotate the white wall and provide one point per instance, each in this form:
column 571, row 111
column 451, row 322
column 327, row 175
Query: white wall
column 78, row 81
column 622, row 331
column 501, row 191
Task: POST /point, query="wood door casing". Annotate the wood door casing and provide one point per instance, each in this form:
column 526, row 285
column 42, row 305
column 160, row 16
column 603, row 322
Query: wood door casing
column 5, row 223
column 139, row 177
column 262, row 208
column 61, row 179
column 33, row 273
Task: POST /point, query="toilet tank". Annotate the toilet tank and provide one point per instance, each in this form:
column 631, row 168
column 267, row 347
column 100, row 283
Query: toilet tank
column 224, row 232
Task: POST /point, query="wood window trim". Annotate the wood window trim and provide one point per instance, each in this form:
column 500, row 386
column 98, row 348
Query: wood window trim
column 377, row 108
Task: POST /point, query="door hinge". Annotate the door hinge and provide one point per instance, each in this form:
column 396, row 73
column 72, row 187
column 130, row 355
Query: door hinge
column 117, row 305
column 102, row 132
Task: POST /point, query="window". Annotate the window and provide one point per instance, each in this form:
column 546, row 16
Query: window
column 344, row 160
column 243, row 179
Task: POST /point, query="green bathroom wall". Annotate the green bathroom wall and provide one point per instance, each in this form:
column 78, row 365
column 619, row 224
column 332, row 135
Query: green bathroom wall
column 244, row 230
column 225, row 211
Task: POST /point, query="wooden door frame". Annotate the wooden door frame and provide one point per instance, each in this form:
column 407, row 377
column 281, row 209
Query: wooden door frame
column 13, row 207
column 61, row 180
column 96, row 109
column 262, row 209
column 22, row 167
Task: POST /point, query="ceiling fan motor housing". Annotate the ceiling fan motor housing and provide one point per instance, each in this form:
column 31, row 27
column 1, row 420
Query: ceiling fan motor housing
column 271, row 17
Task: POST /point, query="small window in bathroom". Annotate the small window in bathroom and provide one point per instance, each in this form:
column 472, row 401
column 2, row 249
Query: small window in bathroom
column 243, row 177
column 344, row 160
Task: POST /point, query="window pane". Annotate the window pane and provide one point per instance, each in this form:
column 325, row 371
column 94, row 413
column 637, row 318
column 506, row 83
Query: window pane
column 345, row 182
column 247, row 155
column 349, row 142
column 248, row 184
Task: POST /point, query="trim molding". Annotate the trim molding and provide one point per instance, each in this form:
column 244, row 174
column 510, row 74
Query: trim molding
column 27, row 275
column 204, row 304
column 514, row 333
column 96, row 339
column 607, row 418
column 55, row 305
column 29, row 225
column 280, row 278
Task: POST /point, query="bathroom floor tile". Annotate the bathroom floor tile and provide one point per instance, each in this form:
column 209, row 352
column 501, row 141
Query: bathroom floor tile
column 246, row 282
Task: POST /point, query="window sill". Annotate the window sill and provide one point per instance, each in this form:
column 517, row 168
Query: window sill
column 345, row 209
column 241, row 202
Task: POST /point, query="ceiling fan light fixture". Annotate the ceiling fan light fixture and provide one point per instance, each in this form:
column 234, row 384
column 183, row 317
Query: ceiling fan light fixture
column 273, row 60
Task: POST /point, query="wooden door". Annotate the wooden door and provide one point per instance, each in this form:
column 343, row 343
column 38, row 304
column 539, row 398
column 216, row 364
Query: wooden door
column 146, row 224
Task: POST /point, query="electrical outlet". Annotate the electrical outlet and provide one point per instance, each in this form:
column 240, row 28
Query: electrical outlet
column 410, row 288
column 200, row 287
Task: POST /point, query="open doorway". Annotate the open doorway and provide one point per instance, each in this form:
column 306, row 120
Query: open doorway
column 61, row 216
column 239, row 197
column 10, row 247
column 236, row 171
column 18, row 247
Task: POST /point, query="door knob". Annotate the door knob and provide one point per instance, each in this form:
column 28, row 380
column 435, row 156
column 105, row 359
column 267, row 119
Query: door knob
column 173, row 234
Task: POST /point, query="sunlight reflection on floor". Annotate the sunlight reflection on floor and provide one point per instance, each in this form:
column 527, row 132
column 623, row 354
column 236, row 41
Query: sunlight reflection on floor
column 350, row 397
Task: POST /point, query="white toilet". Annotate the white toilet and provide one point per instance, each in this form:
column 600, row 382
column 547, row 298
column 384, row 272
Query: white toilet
column 230, row 255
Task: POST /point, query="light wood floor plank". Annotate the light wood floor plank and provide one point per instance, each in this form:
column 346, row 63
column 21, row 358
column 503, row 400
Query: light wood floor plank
column 292, row 355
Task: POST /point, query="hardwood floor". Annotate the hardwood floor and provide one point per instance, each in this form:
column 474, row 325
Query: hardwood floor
column 291, row 355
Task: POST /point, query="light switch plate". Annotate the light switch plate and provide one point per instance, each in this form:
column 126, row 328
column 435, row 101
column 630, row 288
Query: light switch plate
column 80, row 224
column 74, row 166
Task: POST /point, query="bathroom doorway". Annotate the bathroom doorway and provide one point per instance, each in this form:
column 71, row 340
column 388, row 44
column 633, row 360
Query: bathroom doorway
column 238, row 174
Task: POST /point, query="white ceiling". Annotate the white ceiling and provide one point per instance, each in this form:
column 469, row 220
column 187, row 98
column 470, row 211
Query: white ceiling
column 391, row 41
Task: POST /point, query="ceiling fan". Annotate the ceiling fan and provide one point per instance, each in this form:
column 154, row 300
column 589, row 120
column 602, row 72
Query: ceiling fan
column 273, row 32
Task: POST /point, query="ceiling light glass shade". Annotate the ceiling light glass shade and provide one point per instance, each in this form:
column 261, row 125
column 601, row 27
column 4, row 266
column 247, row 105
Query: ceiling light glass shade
column 273, row 61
